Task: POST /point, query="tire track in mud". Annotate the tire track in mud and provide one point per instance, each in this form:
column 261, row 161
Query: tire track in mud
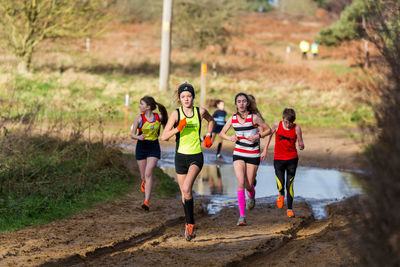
column 119, row 246
column 219, row 241
column 273, row 244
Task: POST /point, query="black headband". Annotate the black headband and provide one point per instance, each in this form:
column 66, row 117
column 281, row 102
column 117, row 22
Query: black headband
column 186, row 87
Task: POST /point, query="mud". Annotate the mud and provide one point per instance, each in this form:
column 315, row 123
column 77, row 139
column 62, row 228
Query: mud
column 118, row 234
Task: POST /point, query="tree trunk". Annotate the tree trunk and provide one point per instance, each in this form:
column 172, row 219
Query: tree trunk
column 24, row 65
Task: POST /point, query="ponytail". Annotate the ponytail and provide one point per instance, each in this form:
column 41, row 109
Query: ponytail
column 164, row 114
column 253, row 107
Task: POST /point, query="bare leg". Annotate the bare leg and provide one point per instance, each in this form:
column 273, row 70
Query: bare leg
column 239, row 167
column 142, row 168
column 251, row 171
column 213, row 135
column 186, row 181
column 151, row 163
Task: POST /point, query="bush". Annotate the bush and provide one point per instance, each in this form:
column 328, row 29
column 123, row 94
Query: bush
column 349, row 26
column 198, row 23
column 379, row 228
column 139, row 10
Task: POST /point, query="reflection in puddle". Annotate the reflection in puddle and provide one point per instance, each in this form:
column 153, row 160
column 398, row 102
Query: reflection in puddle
column 319, row 187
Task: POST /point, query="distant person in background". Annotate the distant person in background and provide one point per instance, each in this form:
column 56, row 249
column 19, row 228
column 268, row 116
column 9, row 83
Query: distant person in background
column 219, row 118
column 287, row 133
column 146, row 129
column 314, row 49
column 246, row 154
column 304, row 47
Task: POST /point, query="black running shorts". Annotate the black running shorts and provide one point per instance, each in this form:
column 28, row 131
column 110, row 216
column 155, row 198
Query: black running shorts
column 254, row 161
column 146, row 149
column 183, row 162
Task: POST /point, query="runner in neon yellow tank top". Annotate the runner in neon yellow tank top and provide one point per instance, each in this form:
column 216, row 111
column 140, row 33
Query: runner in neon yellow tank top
column 188, row 139
column 146, row 129
column 185, row 123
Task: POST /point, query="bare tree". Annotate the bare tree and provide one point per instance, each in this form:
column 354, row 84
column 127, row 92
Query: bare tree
column 25, row 23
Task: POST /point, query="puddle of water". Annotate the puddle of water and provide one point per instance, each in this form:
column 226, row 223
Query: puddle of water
column 319, row 187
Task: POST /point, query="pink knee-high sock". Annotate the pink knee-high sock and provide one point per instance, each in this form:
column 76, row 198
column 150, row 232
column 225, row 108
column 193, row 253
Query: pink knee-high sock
column 251, row 192
column 242, row 202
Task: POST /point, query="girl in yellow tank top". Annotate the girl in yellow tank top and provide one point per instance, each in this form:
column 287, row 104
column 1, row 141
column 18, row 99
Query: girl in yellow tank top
column 185, row 124
column 146, row 129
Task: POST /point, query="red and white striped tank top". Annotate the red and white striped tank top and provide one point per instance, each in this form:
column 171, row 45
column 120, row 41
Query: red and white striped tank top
column 244, row 147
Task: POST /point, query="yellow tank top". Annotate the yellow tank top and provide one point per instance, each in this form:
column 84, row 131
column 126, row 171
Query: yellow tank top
column 151, row 130
column 188, row 140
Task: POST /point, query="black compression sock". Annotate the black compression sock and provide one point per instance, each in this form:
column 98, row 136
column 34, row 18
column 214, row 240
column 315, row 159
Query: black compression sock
column 189, row 211
column 219, row 148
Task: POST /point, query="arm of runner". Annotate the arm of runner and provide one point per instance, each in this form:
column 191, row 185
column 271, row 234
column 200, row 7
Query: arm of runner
column 135, row 127
column 227, row 125
column 263, row 155
column 169, row 129
column 266, row 130
column 299, row 137
column 205, row 115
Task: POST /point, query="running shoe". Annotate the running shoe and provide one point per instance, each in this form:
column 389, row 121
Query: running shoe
column 146, row 205
column 241, row 221
column 290, row 213
column 142, row 186
column 250, row 203
column 189, row 232
column 279, row 202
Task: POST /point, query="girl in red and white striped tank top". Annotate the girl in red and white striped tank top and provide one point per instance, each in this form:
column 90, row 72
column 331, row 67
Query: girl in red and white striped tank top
column 244, row 147
column 249, row 129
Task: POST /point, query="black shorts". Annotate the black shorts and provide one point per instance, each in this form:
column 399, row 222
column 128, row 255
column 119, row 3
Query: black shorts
column 217, row 128
column 183, row 162
column 147, row 148
column 254, row 161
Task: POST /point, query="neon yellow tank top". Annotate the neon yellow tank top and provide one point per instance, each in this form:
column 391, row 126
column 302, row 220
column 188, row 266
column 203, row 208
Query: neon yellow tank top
column 151, row 130
column 188, row 140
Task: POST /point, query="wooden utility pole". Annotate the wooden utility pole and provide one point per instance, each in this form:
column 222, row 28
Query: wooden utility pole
column 165, row 45
column 203, row 80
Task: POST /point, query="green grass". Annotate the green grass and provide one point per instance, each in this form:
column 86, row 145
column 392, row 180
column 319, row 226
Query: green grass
column 45, row 178
column 340, row 69
column 19, row 212
column 165, row 186
column 81, row 93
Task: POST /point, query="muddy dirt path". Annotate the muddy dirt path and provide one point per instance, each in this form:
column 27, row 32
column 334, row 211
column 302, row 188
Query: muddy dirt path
column 121, row 234
column 117, row 234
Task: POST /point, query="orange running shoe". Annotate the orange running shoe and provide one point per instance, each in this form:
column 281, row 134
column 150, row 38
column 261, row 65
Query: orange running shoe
column 189, row 232
column 146, row 205
column 279, row 202
column 142, row 186
column 290, row 213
